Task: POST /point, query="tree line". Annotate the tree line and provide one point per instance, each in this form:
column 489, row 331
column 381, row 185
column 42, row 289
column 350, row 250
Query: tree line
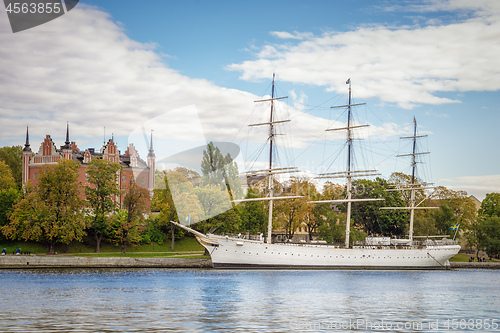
column 61, row 210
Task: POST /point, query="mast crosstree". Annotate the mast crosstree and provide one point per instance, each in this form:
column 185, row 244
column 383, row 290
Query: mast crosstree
column 270, row 172
column 350, row 173
column 413, row 186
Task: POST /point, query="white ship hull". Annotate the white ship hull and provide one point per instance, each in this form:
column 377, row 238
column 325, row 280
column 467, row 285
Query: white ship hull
column 229, row 252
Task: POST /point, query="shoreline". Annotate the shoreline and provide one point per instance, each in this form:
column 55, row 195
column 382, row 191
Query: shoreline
column 475, row 265
column 34, row 262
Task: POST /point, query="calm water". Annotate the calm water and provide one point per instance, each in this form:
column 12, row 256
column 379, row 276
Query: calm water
column 158, row 300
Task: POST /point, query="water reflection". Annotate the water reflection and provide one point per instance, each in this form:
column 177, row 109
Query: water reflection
column 162, row 300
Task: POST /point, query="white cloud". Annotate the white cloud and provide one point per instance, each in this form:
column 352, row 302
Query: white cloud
column 472, row 8
column 83, row 68
column 288, row 35
column 479, row 186
column 403, row 65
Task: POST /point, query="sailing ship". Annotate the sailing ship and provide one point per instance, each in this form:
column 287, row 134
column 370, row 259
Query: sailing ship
column 376, row 252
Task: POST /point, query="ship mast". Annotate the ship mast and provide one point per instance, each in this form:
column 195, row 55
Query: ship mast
column 271, row 171
column 270, row 185
column 349, row 177
column 413, row 186
column 349, row 174
column 413, row 168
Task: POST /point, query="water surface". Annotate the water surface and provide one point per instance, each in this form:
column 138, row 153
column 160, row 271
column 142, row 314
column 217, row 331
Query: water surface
column 202, row 300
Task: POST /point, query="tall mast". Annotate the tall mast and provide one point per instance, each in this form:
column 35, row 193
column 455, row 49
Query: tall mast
column 270, row 172
column 271, row 191
column 271, row 127
column 413, row 168
column 349, row 178
column 413, row 186
column 349, row 173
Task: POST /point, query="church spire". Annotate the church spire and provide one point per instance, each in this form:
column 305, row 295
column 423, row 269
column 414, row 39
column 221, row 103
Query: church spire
column 27, row 144
column 151, row 165
column 67, row 135
column 67, row 149
column 26, row 157
column 151, row 150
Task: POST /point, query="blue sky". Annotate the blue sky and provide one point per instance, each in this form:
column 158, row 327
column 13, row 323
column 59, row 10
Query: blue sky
column 137, row 66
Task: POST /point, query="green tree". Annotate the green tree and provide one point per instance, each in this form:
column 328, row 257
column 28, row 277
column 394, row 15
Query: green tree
column 212, row 165
column 102, row 177
column 490, row 206
column 121, row 231
column 9, row 193
column 253, row 215
column 13, row 157
column 305, row 187
column 462, row 207
column 28, row 220
column 484, row 232
column 288, row 215
column 424, row 223
column 444, row 218
column 489, row 234
column 221, row 171
column 163, row 203
column 192, row 176
column 8, row 198
column 213, row 200
column 52, row 212
column 135, row 204
column 368, row 215
column 220, row 178
column 152, row 231
column 174, row 194
column 401, row 181
column 334, row 232
column 227, row 222
column 331, row 221
column 6, row 179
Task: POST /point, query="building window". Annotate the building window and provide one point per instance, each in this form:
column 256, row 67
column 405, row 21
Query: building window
column 124, row 178
column 34, row 176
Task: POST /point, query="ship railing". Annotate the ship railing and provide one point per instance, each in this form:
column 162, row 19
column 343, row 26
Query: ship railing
column 260, row 237
column 386, row 242
column 436, row 240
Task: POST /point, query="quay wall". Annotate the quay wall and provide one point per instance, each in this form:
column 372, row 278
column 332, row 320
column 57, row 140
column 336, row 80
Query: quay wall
column 475, row 265
column 34, row 261
column 45, row 261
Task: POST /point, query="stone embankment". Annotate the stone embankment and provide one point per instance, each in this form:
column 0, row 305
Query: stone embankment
column 478, row 265
column 45, row 261
column 34, row 261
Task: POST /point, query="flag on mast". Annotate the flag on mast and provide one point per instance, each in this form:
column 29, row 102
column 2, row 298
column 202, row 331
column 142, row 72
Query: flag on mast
column 348, row 81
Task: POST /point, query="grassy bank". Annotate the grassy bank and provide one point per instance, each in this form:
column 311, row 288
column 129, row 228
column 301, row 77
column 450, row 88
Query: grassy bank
column 186, row 244
column 461, row 257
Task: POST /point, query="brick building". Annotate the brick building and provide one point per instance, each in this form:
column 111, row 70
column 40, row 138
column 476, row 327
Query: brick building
column 132, row 165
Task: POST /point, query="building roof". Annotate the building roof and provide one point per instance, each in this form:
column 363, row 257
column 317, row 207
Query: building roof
column 130, row 159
